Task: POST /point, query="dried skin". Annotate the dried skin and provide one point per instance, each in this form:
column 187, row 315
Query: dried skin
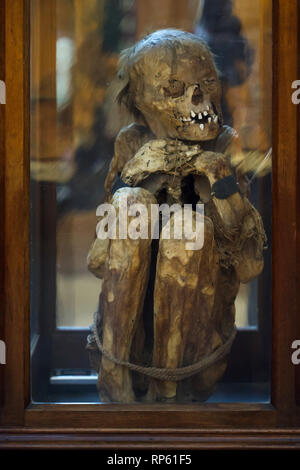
column 176, row 158
column 185, row 80
column 97, row 257
column 185, row 280
column 169, row 82
column 121, row 302
column 183, row 306
column 127, row 143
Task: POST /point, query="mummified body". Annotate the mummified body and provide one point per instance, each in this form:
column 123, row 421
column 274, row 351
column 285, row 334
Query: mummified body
column 162, row 305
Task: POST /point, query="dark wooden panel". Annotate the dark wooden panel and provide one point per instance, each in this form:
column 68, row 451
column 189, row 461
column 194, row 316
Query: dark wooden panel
column 154, row 416
column 2, row 179
column 297, row 329
column 16, row 217
column 284, row 290
column 256, row 438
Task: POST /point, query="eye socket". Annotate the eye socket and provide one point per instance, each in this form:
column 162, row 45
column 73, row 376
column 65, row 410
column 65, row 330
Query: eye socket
column 210, row 81
column 175, row 89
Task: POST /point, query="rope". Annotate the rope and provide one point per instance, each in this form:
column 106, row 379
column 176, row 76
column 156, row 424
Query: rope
column 169, row 374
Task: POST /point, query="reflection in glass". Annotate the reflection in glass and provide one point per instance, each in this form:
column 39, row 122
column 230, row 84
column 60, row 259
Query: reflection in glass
column 75, row 49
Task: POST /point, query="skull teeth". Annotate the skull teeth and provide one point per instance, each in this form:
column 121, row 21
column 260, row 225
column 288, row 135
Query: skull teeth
column 206, row 118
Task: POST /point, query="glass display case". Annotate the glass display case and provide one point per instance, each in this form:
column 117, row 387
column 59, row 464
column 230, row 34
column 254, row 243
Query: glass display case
column 63, row 121
column 74, row 122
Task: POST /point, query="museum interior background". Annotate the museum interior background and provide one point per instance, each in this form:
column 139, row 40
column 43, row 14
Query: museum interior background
column 75, row 46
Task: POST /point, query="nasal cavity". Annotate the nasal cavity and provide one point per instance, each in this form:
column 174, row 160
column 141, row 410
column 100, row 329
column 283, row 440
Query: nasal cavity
column 197, row 96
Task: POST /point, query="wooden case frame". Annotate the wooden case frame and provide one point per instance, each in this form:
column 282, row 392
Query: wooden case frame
column 146, row 426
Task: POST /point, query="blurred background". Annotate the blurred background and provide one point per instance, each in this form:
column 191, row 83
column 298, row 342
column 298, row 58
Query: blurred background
column 75, row 46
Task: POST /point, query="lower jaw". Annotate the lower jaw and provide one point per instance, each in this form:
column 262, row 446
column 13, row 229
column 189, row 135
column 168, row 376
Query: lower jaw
column 199, row 135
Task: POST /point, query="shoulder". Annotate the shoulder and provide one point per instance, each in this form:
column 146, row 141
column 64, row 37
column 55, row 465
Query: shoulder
column 132, row 137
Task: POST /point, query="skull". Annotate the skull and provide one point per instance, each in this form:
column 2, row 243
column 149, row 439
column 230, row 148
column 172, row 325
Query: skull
column 172, row 83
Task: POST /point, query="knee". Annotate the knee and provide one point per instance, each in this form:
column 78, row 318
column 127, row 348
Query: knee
column 97, row 257
column 187, row 235
column 131, row 196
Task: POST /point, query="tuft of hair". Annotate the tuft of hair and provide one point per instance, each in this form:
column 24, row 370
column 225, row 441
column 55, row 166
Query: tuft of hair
column 124, row 95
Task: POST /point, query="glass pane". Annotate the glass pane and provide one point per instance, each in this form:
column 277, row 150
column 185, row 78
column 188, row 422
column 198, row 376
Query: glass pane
column 176, row 100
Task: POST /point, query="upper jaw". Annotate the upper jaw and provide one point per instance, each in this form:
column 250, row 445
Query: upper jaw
column 203, row 115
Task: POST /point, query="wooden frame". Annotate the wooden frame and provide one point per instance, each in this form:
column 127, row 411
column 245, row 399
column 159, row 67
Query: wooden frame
column 156, row 426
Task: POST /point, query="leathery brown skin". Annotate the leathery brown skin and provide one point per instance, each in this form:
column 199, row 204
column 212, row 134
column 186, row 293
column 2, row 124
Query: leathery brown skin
column 185, row 288
column 122, row 299
column 170, row 79
column 170, row 83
